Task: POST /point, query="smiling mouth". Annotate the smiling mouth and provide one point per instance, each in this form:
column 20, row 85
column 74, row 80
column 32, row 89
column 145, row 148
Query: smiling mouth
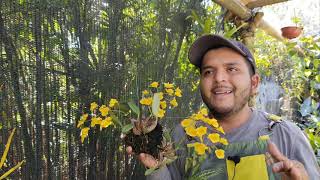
column 222, row 92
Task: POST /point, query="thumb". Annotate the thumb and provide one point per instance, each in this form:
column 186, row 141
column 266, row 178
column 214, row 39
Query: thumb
column 148, row 160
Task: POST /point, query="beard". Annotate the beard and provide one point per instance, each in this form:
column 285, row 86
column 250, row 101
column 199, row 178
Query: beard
column 222, row 113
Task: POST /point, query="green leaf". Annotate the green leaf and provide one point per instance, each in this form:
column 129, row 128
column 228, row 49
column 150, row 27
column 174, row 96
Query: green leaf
column 167, row 135
column 229, row 33
column 126, row 128
column 124, row 107
column 317, row 78
column 316, row 63
column 155, row 104
column 210, row 173
column 307, row 72
column 6, row 150
column 116, row 120
column 196, row 18
column 149, row 171
column 134, row 108
column 207, row 26
column 12, row 170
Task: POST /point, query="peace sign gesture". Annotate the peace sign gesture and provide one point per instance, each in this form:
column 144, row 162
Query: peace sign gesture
column 291, row 169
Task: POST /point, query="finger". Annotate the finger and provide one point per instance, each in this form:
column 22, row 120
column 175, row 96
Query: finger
column 282, row 166
column 269, row 158
column 293, row 169
column 148, row 161
column 129, row 150
column 275, row 153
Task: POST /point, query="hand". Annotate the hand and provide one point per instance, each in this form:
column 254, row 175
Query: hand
column 292, row 169
column 146, row 159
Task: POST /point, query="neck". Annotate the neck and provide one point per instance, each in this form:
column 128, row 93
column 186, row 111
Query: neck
column 235, row 120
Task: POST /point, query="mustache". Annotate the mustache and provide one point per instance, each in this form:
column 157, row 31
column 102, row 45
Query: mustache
column 222, row 86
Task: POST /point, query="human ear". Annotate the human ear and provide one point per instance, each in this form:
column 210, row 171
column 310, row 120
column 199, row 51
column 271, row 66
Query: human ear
column 255, row 80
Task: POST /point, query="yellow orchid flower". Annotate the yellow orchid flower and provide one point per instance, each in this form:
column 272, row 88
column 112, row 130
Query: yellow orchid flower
column 160, row 95
column 191, row 131
column 154, row 84
column 178, row 92
column 187, row 122
column 161, row 113
column 105, row 123
column 82, row 120
column 219, row 153
column 168, row 85
column 220, row 129
column 163, row 104
column 84, row 117
column 213, row 122
column 80, row 123
column 201, row 131
column 145, row 92
column 84, row 133
column 224, row 141
column 170, row 91
column 93, row 106
column 113, row 102
column 95, row 121
column 198, row 116
column 146, row 101
column 214, row 137
column 104, row 110
column 200, row 148
column 173, row 102
column 204, row 111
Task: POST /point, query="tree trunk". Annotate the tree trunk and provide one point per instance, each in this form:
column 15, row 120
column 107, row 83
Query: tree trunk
column 12, row 58
column 47, row 132
column 39, row 93
column 84, row 81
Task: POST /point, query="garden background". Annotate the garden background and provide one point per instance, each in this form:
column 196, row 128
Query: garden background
column 58, row 56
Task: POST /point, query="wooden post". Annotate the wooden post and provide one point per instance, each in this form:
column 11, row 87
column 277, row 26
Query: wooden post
column 235, row 7
column 244, row 13
column 261, row 3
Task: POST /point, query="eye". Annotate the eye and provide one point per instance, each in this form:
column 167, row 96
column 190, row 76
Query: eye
column 232, row 69
column 207, row 72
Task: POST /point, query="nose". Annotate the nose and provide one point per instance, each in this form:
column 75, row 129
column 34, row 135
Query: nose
column 220, row 76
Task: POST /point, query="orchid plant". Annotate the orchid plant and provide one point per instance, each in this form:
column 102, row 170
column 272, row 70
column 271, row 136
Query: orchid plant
column 205, row 133
column 154, row 102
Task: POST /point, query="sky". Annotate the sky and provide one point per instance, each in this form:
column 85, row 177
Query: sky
column 307, row 10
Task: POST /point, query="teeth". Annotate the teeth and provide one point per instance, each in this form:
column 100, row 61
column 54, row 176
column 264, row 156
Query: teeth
column 223, row 92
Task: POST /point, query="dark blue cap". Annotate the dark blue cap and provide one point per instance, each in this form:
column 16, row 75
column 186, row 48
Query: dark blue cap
column 207, row 42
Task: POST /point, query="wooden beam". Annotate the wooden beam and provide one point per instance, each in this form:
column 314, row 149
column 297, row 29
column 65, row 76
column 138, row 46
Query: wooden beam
column 261, row 3
column 244, row 13
column 269, row 29
column 236, row 7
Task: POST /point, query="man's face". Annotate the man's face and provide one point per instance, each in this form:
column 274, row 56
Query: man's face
column 225, row 82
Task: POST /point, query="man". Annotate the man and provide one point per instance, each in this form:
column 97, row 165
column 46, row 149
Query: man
column 228, row 79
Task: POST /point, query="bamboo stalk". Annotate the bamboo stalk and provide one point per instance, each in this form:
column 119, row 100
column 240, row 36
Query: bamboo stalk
column 261, row 3
column 244, row 13
column 235, row 7
column 276, row 33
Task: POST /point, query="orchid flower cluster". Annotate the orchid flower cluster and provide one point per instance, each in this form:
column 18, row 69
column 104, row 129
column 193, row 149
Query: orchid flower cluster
column 157, row 102
column 196, row 126
column 153, row 103
column 102, row 116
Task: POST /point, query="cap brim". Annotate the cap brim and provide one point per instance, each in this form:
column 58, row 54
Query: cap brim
column 207, row 42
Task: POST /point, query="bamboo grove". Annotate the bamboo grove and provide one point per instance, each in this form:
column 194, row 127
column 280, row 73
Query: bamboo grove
column 58, row 56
